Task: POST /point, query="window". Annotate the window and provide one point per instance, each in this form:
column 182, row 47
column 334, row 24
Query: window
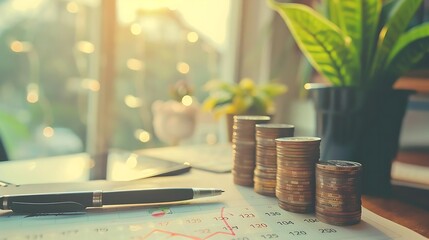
column 47, row 50
column 166, row 51
column 50, row 69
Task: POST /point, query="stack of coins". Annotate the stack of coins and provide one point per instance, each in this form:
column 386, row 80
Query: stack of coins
column 296, row 160
column 244, row 147
column 338, row 192
column 266, row 155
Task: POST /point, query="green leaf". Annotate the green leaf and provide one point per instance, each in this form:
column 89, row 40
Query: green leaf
column 218, row 85
column 259, row 105
column 386, row 9
column 348, row 17
column 273, row 89
column 12, row 131
column 328, row 50
column 333, row 13
column 400, row 16
column 408, row 51
column 370, row 16
column 358, row 19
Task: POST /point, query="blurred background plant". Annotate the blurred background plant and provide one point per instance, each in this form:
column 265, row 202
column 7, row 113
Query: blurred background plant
column 181, row 90
column 245, row 97
column 175, row 120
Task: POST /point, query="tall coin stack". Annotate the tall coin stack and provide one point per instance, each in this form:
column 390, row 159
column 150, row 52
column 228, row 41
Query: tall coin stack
column 338, row 192
column 296, row 160
column 266, row 157
column 244, row 148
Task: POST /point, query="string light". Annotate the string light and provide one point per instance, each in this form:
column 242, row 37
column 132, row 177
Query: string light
column 192, row 37
column 90, row 84
column 48, row 132
column 135, row 29
column 187, row 100
column 182, row 67
column 72, row 7
column 132, row 101
column 85, row 47
column 32, row 97
column 142, row 135
column 32, row 93
column 135, row 64
column 20, row 47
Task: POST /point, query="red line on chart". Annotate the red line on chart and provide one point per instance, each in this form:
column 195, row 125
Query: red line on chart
column 172, row 234
column 231, row 232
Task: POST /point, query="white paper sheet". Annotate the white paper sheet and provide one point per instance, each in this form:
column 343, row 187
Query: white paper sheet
column 237, row 214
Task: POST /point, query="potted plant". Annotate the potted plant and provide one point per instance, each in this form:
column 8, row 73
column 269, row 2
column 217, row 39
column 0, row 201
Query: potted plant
column 243, row 98
column 175, row 120
column 362, row 49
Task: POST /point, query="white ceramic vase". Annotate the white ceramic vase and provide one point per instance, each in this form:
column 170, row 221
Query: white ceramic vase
column 173, row 121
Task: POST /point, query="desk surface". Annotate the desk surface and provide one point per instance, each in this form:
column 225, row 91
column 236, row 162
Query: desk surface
column 406, row 214
column 249, row 215
column 399, row 211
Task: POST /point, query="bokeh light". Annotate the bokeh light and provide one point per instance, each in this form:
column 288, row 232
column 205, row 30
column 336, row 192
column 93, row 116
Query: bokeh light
column 132, row 101
column 32, row 93
column 85, row 47
column 135, row 29
column 91, row 84
column 183, row 67
column 72, row 7
column 192, row 37
column 48, row 132
column 142, row 135
column 187, row 100
column 135, row 64
column 19, row 46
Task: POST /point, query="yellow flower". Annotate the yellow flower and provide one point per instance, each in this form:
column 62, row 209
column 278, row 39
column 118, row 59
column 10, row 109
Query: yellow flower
column 246, row 97
column 247, row 86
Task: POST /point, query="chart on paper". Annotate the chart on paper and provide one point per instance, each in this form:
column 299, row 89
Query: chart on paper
column 239, row 214
column 189, row 222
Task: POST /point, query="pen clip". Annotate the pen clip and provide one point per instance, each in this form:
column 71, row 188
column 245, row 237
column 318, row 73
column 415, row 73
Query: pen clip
column 47, row 208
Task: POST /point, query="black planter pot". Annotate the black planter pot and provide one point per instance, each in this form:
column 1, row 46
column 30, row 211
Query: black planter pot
column 362, row 127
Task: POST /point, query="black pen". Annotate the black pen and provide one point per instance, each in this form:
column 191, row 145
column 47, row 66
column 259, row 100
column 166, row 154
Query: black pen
column 73, row 202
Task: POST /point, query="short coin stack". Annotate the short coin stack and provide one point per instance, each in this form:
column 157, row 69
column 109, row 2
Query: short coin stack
column 266, row 157
column 244, row 148
column 338, row 192
column 296, row 160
